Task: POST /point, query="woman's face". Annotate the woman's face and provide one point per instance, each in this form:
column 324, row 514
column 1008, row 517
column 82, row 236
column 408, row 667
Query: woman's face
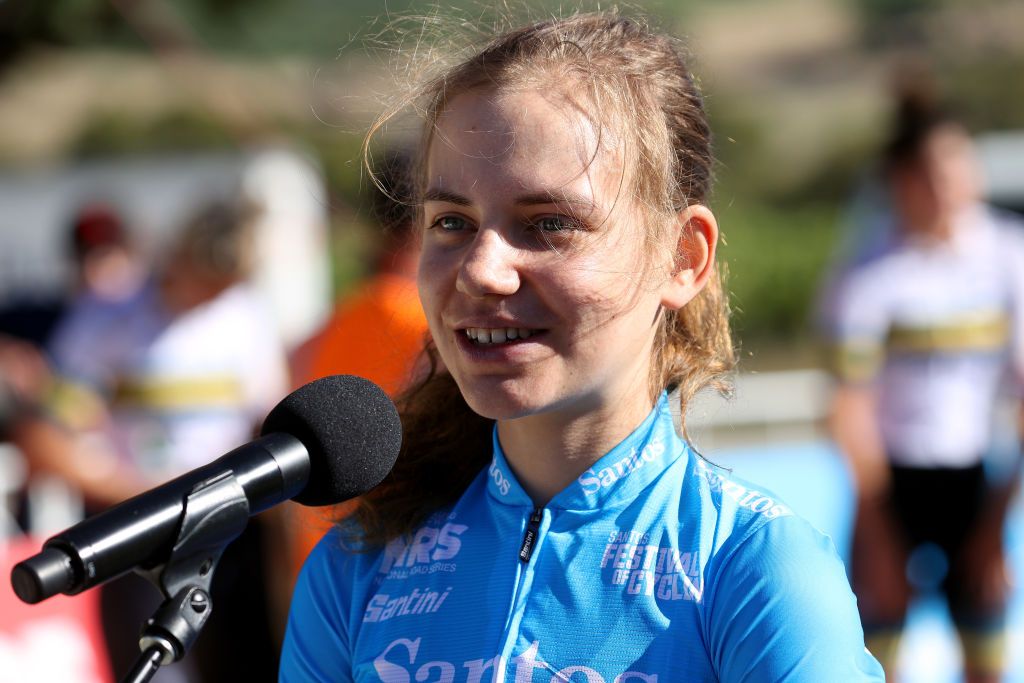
column 532, row 277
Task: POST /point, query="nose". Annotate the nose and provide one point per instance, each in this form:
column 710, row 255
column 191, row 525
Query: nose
column 489, row 266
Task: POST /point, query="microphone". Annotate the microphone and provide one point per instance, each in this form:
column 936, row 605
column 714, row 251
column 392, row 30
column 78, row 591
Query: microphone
column 330, row 440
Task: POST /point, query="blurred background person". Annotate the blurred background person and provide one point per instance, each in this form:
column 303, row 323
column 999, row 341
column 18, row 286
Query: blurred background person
column 928, row 326
column 174, row 378
column 110, row 273
column 107, row 274
column 181, row 372
column 105, row 269
column 377, row 332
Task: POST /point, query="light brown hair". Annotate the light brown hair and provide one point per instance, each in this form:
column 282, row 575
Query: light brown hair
column 640, row 88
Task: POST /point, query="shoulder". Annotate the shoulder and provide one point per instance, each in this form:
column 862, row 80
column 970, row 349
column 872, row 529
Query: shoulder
column 332, row 567
column 737, row 505
column 242, row 304
column 856, row 296
column 774, row 586
column 340, row 565
column 883, row 255
column 236, row 324
column 336, row 572
column 786, row 552
column 871, row 278
column 317, row 638
column 752, row 525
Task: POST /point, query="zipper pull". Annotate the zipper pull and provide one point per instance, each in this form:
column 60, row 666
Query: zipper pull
column 526, row 549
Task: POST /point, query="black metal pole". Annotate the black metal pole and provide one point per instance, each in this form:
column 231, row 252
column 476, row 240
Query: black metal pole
column 145, row 666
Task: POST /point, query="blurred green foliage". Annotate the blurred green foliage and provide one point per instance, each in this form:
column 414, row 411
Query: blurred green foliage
column 116, row 134
column 253, row 27
column 779, row 219
column 26, row 24
column 775, row 258
column 990, row 92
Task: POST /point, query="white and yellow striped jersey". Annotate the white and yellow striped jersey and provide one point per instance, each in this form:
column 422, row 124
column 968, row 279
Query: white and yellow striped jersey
column 938, row 327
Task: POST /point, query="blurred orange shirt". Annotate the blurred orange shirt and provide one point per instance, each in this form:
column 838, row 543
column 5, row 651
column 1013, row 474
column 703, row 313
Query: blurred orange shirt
column 378, row 334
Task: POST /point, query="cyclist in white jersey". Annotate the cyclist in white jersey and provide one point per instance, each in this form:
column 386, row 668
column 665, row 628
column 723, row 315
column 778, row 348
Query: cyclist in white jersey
column 545, row 521
column 928, row 330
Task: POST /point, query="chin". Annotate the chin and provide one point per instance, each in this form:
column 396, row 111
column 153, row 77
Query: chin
column 497, row 409
column 497, row 402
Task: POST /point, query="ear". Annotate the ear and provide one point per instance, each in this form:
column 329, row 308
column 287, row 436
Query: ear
column 694, row 257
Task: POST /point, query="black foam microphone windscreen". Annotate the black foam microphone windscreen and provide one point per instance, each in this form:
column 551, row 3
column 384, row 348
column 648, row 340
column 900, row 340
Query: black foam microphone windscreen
column 351, row 430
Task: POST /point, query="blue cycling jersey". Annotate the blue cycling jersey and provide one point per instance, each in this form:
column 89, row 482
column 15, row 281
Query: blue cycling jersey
column 653, row 566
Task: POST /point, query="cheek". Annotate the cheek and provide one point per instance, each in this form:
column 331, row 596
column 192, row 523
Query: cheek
column 598, row 301
column 431, row 280
column 619, row 309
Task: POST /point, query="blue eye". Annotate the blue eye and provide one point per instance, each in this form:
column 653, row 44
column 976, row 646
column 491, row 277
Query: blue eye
column 449, row 223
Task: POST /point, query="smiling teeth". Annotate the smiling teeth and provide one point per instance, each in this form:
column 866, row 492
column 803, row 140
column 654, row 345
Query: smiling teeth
column 499, row 335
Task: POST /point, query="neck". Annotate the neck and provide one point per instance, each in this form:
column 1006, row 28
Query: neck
column 548, row 451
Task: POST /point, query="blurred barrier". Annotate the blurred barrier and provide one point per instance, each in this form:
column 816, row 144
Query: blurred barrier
column 768, row 408
column 1002, row 161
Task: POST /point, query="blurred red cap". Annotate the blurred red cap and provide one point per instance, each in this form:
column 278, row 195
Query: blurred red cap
column 94, row 226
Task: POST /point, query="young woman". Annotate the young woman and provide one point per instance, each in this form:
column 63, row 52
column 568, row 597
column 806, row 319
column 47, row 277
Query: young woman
column 546, row 522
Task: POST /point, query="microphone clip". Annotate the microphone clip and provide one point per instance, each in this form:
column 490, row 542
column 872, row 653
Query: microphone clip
column 215, row 513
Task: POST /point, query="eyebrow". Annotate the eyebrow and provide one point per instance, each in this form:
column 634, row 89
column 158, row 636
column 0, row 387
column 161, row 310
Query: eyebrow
column 571, row 198
column 531, row 199
column 438, row 195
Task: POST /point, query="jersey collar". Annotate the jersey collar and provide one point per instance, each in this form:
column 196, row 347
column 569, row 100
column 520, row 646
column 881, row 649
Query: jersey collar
column 617, row 477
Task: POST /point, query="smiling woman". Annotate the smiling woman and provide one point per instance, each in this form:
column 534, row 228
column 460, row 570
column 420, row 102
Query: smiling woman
column 489, row 264
column 545, row 507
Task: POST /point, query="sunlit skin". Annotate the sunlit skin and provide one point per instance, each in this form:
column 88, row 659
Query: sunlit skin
column 528, row 225
column 111, row 272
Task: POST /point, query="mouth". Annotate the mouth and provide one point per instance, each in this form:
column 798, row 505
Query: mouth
column 493, row 336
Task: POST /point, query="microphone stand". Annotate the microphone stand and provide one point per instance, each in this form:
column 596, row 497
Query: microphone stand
column 216, row 512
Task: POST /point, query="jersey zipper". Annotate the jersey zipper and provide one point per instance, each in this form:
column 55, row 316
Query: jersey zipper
column 523, row 582
column 530, row 537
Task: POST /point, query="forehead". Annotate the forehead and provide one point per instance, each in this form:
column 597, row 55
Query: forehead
column 523, row 140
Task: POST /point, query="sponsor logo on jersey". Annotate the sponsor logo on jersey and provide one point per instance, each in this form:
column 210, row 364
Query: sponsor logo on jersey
column 399, row 663
column 383, row 607
column 750, row 499
column 593, row 480
column 642, row 568
column 428, row 551
column 500, row 479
